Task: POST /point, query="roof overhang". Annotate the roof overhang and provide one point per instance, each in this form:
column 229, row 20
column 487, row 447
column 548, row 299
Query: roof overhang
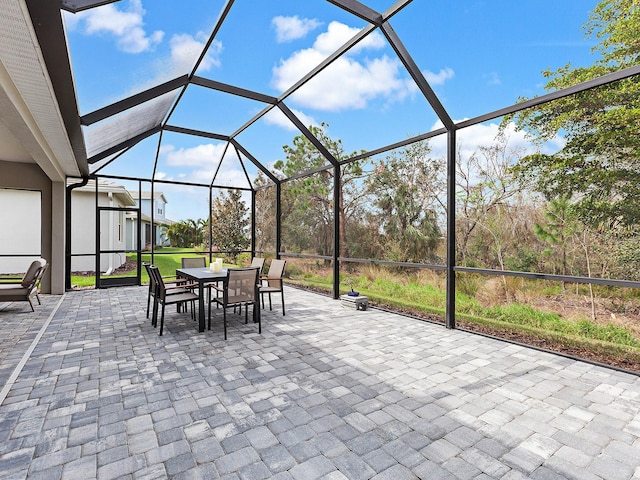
column 38, row 109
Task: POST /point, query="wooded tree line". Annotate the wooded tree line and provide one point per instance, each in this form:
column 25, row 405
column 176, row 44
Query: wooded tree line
column 573, row 212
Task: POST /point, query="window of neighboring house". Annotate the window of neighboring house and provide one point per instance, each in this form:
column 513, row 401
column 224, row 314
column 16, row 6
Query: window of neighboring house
column 159, row 210
column 120, row 215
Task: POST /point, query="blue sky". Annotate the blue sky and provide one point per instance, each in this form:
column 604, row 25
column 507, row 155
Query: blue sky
column 478, row 56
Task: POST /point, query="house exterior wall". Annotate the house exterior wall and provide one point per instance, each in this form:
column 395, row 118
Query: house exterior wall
column 29, row 176
column 131, row 234
column 83, row 231
column 156, row 206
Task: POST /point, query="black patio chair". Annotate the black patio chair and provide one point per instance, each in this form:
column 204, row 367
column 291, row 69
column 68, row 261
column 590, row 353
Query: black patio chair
column 164, row 296
column 174, row 285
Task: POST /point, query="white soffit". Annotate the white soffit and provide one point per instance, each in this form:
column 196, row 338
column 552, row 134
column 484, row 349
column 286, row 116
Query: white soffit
column 11, row 149
column 28, row 106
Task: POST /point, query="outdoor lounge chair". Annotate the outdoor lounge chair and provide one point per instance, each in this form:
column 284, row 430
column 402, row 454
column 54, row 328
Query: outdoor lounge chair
column 273, row 281
column 240, row 288
column 22, row 290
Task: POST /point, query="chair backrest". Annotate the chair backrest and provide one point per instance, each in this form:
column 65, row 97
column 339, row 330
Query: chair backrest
column 157, row 284
column 242, row 284
column 194, row 262
column 257, row 262
column 32, row 275
column 41, row 272
column 152, row 283
column 276, row 271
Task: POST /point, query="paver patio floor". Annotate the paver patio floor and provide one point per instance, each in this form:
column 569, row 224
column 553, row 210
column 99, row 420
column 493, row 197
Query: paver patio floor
column 326, row 392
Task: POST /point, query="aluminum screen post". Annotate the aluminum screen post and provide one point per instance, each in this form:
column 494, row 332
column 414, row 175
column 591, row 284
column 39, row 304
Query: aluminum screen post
column 253, row 223
column 278, row 219
column 450, row 312
column 210, row 229
column 336, row 229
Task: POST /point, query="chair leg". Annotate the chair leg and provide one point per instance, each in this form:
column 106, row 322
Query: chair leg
column 282, row 293
column 38, row 297
column 162, row 319
column 224, row 320
column 257, row 315
column 148, row 300
column 270, row 308
column 209, row 307
column 154, row 319
column 256, row 309
column 31, row 304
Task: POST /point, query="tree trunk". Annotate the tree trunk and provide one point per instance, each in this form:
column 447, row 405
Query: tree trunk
column 342, row 232
column 586, row 254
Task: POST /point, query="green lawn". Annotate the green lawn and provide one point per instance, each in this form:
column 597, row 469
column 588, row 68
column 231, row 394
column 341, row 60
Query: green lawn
column 167, row 260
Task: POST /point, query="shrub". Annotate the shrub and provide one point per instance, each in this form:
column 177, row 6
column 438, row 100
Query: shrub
column 243, row 259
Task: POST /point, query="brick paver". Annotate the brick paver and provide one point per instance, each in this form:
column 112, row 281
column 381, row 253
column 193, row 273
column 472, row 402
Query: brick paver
column 325, row 392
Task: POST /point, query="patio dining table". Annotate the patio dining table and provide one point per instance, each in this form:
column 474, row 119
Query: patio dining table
column 201, row 276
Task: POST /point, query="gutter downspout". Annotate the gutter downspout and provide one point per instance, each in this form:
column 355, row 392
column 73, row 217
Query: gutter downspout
column 67, row 232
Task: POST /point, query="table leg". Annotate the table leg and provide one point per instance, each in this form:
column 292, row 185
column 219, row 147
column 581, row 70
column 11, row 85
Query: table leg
column 200, row 307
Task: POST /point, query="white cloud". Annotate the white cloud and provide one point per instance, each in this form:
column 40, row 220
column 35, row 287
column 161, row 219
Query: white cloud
column 492, row 78
column 185, row 50
column 205, row 155
column 348, row 83
column 338, row 34
column 276, row 117
column 292, row 28
column 203, row 161
column 438, row 78
column 126, row 26
column 484, row 135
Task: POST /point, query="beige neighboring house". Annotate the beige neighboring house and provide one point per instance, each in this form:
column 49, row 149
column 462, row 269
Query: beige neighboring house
column 113, row 234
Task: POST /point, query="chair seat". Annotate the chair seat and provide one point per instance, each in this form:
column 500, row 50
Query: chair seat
column 234, row 300
column 13, row 286
column 180, row 297
column 269, row 289
column 12, row 290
